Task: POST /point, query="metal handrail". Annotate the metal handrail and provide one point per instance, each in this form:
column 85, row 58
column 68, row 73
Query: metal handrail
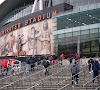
column 25, row 77
column 63, row 87
column 70, row 77
column 17, row 73
column 58, row 71
column 50, row 76
column 6, row 78
column 97, row 88
column 74, row 75
column 11, row 67
column 9, row 71
column 12, row 75
column 90, row 81
column 18, row 80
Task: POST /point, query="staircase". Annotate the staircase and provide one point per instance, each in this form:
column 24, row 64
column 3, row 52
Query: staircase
column 59, row 79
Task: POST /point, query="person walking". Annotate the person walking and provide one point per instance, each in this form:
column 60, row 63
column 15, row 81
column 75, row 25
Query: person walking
column 70, row 59
column 27, row 64
column 32, row 63
column 46, row 64
column 75, row 70
column 6, row 66
column 77, row 58
column 61, row 58
column 96, row 68
column 90, row 63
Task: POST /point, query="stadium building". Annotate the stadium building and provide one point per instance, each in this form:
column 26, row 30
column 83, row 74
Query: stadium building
column 35, row 27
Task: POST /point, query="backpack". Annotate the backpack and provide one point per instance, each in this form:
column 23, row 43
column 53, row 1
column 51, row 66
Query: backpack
column 45, row 64
column 77, row 57
column 52, row 58
column 75, row 69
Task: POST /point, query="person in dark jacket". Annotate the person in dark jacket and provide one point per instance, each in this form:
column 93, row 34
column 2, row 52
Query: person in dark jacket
column 70, row 59
column 96, row 68
column 32, row 63
column 27, row 64
column 90, row 63
column 46, row 64
column 75, row 70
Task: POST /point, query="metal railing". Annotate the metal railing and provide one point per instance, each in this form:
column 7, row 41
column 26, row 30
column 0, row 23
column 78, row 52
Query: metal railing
column 92, row 85
column 34, row 77
column 59, row 78
column 13, row 77
column 66, row 87
column 98, row 88
column 68, row 80
column 39, row 77
column 9, row 72
column 49, row 80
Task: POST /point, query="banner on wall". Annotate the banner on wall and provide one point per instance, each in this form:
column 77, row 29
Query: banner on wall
column 43, row 40
column 2, row 61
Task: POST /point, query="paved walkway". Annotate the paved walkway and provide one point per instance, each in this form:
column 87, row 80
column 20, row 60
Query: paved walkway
column 82, row 61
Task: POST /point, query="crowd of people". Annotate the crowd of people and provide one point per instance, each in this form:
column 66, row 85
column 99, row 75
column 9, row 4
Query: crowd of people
column 47, row 60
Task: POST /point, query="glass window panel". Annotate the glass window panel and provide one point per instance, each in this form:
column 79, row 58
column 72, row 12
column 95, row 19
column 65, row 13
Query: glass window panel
column 76, row 33
column 76, row 38
column 92, row 11
column 93, row 36
column 84, row 40
column 68, row 35
column 61, row 36
column 84, row 32
column 59, row 26
column 99, row 11
column 55, row 36
column 75, row 15
column 55, row 41
column 95, row 30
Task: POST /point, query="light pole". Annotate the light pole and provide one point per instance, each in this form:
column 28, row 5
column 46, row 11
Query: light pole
column 35, row 31
column 19, row 36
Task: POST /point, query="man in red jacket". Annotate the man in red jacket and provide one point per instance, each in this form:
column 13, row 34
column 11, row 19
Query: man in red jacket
column 61, row 58
column 6, row 65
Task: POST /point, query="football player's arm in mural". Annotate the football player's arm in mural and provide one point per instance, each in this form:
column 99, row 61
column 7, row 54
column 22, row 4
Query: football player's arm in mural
column 45, row 39
column 9, row 43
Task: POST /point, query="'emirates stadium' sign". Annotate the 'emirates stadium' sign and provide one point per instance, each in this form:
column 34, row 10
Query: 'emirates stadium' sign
column 34, row 17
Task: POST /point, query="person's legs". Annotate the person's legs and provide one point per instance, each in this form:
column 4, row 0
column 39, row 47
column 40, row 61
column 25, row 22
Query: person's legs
column 53, row 62
column 46, row 72
column 7, row 71
column 72, row 79
column 61, row 62
column 4, row 70
column 77, row 78
column 27, row 67
column 31, row 67
column 94, row 76
column 89, row 67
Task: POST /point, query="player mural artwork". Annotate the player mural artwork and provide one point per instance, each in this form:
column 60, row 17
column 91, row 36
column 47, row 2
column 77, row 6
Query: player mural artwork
column 43, row 40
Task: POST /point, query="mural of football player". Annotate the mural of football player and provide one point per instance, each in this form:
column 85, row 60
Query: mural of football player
column 45, row 39
column 30, row 40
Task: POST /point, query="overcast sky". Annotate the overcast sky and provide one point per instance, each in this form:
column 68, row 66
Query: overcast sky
column 1, row 1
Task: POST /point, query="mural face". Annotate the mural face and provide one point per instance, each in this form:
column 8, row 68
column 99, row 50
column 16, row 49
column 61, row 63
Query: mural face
column 43, row 40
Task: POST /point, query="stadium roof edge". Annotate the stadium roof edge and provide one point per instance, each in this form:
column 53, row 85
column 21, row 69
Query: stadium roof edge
column 9, row 5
